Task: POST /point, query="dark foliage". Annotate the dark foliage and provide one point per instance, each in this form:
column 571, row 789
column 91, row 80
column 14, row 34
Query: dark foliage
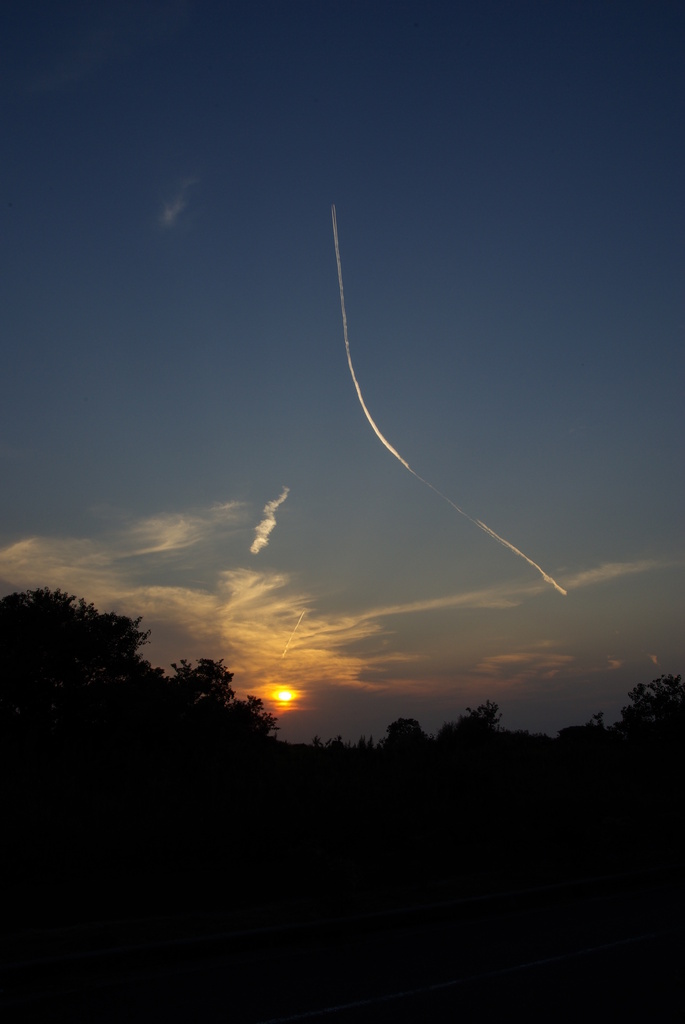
column 208, row 701
column 404, row 734
column 60, row 660
column 657, row 711
column 476, row 726
column 126, row 790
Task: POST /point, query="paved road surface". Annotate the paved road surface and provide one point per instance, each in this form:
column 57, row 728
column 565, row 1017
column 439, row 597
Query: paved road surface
column 617, row 958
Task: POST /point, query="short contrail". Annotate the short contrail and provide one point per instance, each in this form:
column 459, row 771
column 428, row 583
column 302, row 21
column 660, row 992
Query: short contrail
column 285, row 649
column 476, row 522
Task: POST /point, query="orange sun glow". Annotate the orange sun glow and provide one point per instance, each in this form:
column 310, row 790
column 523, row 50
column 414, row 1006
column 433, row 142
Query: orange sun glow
column 284, row 696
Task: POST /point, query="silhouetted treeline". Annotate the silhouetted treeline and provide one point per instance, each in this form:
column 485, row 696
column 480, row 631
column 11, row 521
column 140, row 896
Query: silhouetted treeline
column 127, row 790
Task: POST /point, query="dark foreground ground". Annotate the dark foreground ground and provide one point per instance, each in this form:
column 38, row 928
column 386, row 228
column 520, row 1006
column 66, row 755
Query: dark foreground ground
column 610, row 949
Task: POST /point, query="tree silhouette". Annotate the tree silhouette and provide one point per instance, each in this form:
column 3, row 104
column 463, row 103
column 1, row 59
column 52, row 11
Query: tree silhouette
column 404, row 733
column 59, row 656
column 476, row 725
column 209, row 700
column 209, row 682
column 487, row 714
column 69, row 670
column 657, row 710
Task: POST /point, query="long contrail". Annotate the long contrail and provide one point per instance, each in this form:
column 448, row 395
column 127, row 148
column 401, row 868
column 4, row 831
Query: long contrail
column 476, row 522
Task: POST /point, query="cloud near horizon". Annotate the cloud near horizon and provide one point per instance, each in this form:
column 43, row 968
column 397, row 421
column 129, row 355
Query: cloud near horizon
column 518, row 666
column 174, row 570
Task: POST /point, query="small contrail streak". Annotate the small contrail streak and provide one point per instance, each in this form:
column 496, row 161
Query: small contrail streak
column 285, row 649
column 476, row 522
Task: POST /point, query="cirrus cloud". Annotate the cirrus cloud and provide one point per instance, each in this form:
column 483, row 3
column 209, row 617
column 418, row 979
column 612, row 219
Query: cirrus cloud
column 183, row 573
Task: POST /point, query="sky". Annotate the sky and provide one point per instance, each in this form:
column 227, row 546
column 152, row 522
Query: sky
column 182, row 435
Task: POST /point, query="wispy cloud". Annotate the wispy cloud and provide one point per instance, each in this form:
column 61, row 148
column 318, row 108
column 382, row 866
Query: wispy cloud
column 172, row 210
column 150, row 566
column 169, row 532
column 611, row 571
column 263, row 529
column 497, row 596
column 109, row 566
column 518, row 666
column 182, row 572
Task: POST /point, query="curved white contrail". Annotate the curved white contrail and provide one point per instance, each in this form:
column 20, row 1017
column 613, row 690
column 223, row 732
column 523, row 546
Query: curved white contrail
column 476, row 522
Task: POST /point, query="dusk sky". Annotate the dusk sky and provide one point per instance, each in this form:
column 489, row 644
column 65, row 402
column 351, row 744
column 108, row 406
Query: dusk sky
column 180, row 433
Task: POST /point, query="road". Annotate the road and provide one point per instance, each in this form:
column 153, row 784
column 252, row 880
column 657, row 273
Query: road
column 618, row 957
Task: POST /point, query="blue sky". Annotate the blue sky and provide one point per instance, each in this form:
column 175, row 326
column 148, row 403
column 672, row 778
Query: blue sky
column 508, row 186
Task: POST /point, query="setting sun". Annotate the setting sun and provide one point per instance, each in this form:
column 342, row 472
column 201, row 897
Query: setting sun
column 284, row 696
